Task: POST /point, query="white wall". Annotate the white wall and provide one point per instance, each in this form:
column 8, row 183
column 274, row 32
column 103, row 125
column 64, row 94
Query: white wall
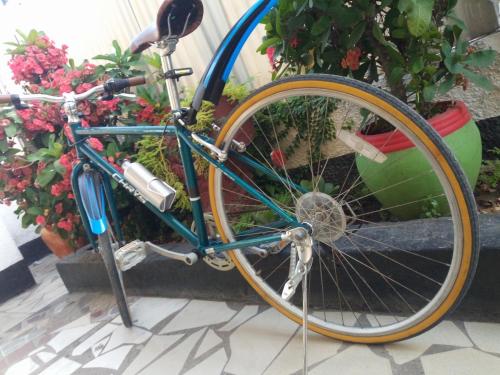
column 9, row 253
column 12, row 236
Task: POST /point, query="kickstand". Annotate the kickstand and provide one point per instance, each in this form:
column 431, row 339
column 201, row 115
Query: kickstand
column 305, row 314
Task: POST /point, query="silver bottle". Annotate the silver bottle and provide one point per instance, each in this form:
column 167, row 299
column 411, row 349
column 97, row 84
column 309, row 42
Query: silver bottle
column 154, row 190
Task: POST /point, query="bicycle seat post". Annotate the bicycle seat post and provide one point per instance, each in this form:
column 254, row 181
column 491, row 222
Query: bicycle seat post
column 168, row 46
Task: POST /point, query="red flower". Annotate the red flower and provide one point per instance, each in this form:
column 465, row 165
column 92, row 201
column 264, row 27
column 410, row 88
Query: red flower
column 66, row 225
column 40, row 220
column 294, row 42
column 59, row 208
column 278, row 158
column 351, row 60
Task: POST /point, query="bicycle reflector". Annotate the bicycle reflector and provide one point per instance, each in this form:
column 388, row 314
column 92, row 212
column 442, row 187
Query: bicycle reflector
column 92, row 193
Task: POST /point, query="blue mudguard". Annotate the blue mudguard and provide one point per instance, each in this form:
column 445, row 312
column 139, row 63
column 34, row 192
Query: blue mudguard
column 92, row 192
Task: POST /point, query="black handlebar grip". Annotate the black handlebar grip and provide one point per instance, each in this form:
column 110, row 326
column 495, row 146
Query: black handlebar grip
column 117, row 85
column 5, row 99
column 137, row 81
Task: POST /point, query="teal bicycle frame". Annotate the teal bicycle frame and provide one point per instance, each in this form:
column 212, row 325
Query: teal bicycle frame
column 199, row 240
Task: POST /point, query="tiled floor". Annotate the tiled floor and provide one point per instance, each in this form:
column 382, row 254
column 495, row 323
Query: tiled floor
column 47, row 331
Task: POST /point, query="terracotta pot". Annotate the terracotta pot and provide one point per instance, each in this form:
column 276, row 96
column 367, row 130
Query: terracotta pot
column 58, row 245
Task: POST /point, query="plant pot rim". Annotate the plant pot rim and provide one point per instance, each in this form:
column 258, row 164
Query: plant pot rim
column 453, row 119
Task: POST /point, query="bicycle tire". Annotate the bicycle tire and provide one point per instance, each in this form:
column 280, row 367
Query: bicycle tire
column 115, row 278
column 445, row 166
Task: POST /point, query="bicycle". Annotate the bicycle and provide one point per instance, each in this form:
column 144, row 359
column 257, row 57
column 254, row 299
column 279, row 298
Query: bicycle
column 288, row 193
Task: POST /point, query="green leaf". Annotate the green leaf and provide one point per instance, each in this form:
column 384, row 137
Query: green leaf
column 320, row 26
column 27, row 220
column 154, row 60
column 35, row 211
column 396, row 75
column 112, row 149
column 419, row 15
column 356, row 34
column 11, row 131
column 430, row 92
column 446, row 85
column 399, row 34
column 46, row 176
column 478, row 79
column 278, row 23
column 417, row 65
column 41, row 154
column 117, row 48
column 481, row 59
column 268, row 43
column 377, row 33
column 59, row 168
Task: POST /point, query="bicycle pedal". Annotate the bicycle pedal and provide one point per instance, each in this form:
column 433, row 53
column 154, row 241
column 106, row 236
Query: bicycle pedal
column 130, row 255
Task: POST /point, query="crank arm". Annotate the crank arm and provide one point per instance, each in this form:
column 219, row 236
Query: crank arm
column 189, row 258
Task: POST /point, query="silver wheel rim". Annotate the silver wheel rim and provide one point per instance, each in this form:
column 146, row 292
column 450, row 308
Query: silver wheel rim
column 456, row 259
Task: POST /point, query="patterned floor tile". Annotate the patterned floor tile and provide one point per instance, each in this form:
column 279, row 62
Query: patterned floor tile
column 446, row 333
column 152, row 350
column 111, row 360
column 213, row 365
column 174, row 360
column 243, row 315
column 147, row 312
column 355, row 360
column 82, row 333
column 199, row 314
column 210, row 341
column 485, row 335
column 289, row 361
column 257, row 342
column 461, row 362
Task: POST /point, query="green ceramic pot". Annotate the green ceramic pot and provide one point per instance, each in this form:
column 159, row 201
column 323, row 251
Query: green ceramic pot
column 404, row 177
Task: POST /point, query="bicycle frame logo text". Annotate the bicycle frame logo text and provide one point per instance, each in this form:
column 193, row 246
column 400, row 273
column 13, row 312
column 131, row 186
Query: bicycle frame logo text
column 132, row 190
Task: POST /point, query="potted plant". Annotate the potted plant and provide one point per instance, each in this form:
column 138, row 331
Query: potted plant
column 35, row 155
column 414, row 48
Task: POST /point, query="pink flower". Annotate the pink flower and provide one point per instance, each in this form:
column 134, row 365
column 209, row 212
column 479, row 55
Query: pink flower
column 59, row 208
column 40, row 220
column 65, row 225
column 270, row 55
column 96, row 144
column 56, row 190
column 5, row 122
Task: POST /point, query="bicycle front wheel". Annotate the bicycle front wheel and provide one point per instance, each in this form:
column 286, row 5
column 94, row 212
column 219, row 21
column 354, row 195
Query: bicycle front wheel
column 370, row 205
column 106, row 249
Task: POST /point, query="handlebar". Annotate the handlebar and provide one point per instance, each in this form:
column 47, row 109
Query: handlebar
column 110, row 87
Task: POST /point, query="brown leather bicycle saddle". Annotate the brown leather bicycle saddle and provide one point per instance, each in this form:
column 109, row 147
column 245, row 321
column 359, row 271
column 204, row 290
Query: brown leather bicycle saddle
column 185, row 17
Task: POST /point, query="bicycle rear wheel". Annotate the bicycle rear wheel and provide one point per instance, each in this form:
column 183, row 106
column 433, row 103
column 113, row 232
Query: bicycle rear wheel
column 367, row 283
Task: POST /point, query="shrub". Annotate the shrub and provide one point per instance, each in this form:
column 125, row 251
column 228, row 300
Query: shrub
column 416, row 45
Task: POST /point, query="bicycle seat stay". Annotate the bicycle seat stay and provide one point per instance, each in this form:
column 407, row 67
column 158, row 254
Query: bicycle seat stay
column 176, row 18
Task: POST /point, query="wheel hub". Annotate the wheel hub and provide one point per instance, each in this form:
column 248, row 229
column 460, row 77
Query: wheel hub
column 324, row 214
